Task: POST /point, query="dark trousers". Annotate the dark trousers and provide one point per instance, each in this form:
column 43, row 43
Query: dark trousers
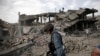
column 57, row 52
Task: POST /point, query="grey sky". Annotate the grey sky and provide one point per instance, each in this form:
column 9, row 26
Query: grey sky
column 9, row 8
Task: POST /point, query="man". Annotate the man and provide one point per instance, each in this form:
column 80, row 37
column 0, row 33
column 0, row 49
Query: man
column 96, row 51
column 56, row 44
column 87, row 32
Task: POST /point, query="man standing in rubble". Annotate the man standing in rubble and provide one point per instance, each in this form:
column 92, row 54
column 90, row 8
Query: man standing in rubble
column 56, row 44
column 87, row 32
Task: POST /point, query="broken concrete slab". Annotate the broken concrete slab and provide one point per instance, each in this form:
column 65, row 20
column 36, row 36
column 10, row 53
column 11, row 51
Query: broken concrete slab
column 73, row 16
column 81, row 11
column 15, row 48
column 26, row 29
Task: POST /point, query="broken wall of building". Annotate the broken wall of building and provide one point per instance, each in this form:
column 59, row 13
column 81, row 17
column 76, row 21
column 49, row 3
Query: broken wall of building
column 6, row 30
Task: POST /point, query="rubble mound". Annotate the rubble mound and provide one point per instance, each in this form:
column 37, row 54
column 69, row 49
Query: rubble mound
column 40, row 48
column 75, row 44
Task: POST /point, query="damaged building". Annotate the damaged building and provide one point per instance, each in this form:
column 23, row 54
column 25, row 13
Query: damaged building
column 6, row 30
column 28, row 20
column 32, row 21
column 70, row 21
column 27, row 38
column 80, row 21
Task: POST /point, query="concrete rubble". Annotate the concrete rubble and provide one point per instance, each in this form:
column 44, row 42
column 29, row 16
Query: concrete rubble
column 71, row 25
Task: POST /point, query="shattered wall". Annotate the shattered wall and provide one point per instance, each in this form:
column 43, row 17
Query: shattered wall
column 6, row 30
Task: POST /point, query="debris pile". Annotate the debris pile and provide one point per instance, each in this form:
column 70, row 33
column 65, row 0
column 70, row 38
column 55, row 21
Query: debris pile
column 66, row 23
column 75, row 44
column 40, row 48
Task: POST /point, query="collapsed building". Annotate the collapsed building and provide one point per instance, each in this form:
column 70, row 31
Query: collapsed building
column 80, row 21
column 98, row 22
column 27, row 21
column 3, row 31
column 27, row 31
column 6, row 30
column 70, row 21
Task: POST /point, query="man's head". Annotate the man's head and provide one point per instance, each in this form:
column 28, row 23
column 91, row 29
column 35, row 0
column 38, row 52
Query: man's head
column 48, row 28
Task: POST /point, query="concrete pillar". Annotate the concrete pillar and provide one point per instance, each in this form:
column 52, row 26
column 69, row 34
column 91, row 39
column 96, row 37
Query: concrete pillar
column 55, row 19
column 0, row 32
column 41, row 19
column 85, row 17
column 19, row 26
column 49, row 18
column 37, row 19
column 75, row 26
column 19, row 30
column 82, row 16
column 45, row 19
column 24, row 23
column 19, row 16
column 86, row 25
column 93, row 15
column 83, row 26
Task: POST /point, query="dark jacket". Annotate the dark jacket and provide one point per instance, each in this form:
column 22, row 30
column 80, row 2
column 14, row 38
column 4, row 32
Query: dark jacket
column 57, row 44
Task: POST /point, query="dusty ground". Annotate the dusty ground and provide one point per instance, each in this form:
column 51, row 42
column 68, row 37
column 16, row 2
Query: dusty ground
column 74, row 46
column 85, row 46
